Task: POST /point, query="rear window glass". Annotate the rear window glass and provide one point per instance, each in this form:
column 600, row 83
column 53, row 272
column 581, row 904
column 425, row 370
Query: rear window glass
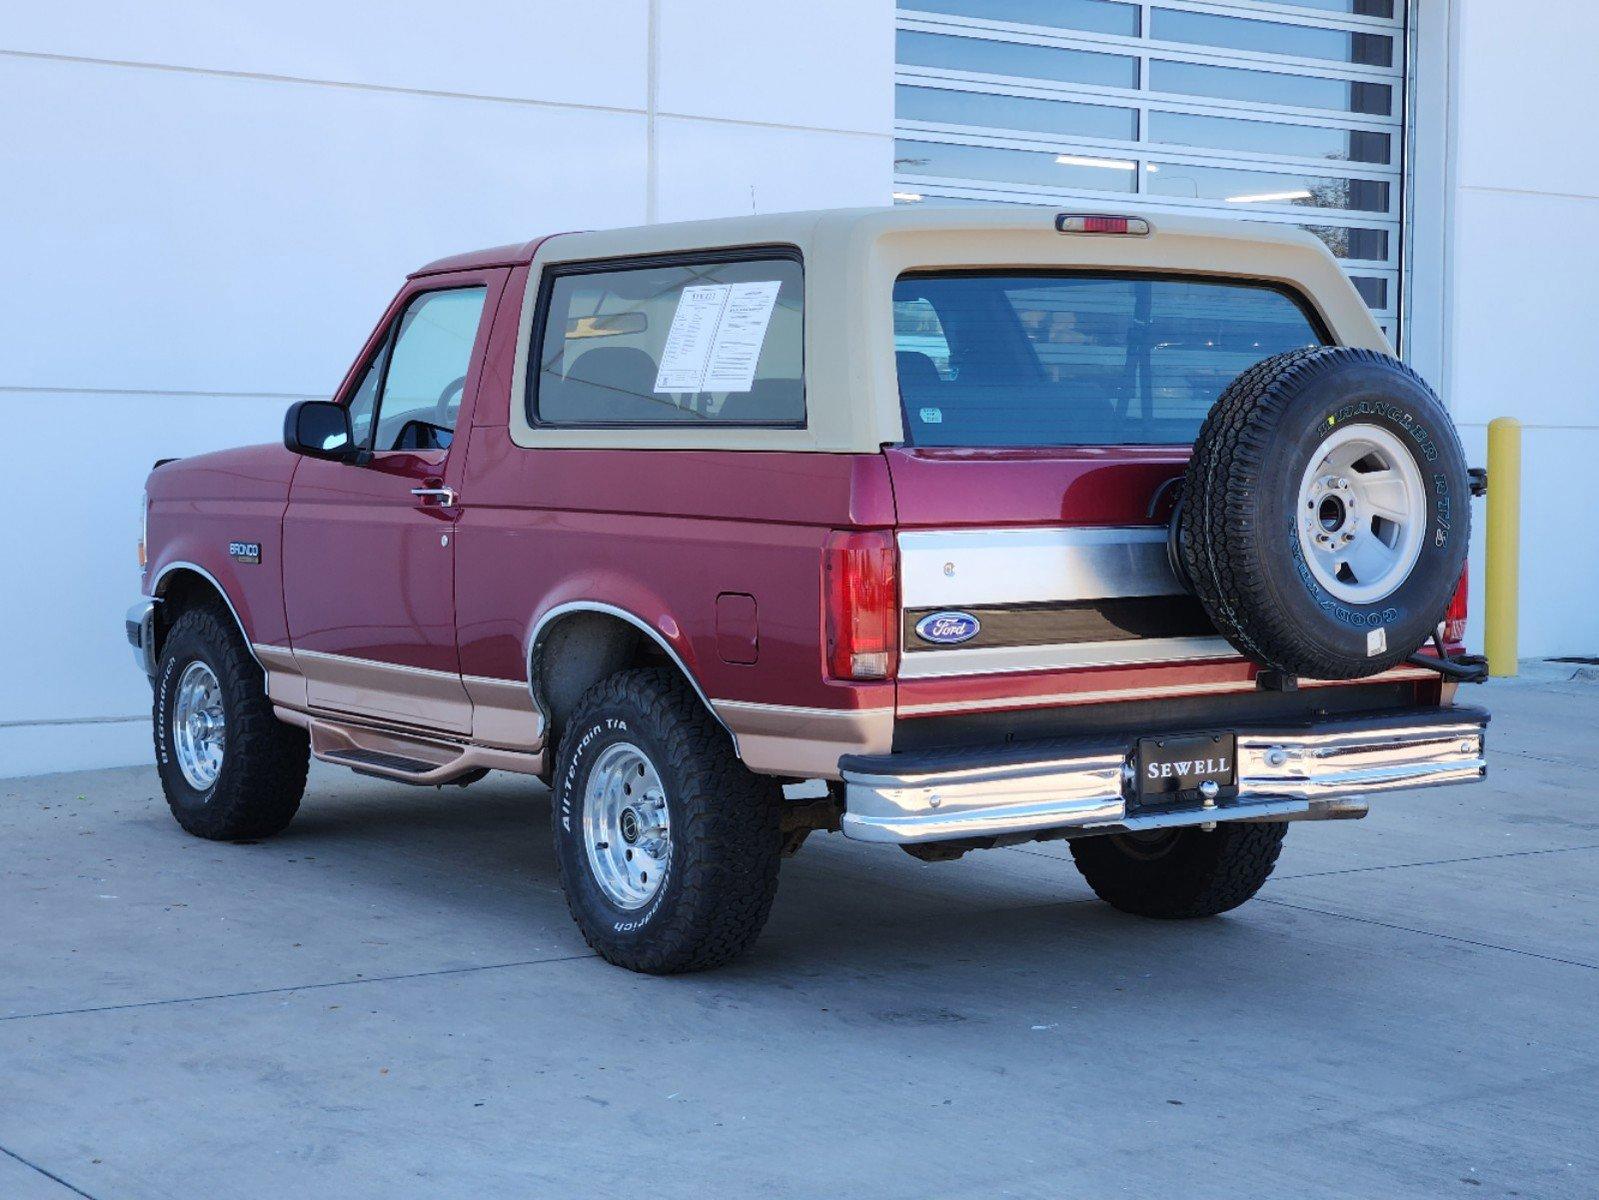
column 1052, row 359
column 700, row 343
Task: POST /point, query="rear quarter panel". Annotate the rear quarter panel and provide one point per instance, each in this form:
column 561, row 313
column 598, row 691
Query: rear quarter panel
column 660, row 534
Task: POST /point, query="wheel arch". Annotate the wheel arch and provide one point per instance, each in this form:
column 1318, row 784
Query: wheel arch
column 576, row 644
column 180, row 584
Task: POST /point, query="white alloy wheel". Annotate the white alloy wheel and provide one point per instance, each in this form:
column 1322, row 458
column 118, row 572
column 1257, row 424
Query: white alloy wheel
column 626, row 828
column 199, row 726
column 1362, row 513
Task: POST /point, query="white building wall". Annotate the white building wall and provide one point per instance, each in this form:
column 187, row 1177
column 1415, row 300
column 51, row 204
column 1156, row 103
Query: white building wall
column 206, row 206
column 1523, row 258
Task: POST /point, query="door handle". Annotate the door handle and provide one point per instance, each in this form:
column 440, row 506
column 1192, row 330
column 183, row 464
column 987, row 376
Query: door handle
column 445, row 496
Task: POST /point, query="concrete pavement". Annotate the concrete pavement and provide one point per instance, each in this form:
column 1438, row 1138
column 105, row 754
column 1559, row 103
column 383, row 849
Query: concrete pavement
column 390, row 1000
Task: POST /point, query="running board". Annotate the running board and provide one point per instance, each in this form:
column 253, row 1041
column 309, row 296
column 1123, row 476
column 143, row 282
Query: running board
column 379, row 763
column 402, row 755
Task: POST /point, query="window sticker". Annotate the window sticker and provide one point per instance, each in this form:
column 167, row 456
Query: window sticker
column 716, row 337
column 932, row 416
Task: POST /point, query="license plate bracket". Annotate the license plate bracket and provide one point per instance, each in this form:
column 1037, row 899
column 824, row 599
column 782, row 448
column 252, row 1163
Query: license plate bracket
column 1171, row 770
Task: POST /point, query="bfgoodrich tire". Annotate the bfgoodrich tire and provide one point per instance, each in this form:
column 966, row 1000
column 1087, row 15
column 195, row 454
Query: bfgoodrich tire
column 666, row 844
column 1326, row 513
column 230, row 769
column 1180, row 873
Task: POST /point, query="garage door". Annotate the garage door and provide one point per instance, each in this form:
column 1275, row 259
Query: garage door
column 1290, row 112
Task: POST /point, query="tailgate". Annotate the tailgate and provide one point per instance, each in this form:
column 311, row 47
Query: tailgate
column 1041, row 576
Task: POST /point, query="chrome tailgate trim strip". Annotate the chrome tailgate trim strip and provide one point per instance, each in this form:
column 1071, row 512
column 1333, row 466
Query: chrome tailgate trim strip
column 997, row 660
column 951, row 568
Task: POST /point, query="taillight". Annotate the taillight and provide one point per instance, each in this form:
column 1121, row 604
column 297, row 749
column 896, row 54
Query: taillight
column 1455, row 614
column 1100, row 222
column 860, row 588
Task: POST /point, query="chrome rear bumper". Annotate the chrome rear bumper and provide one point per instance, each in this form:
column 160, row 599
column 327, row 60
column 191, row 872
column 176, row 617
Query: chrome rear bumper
column 1284, row 773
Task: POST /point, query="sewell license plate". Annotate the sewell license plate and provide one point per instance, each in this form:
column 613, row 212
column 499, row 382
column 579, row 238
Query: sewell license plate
column 1172, row 768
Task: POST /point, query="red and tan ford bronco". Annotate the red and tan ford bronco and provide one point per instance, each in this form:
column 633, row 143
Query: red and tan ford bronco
column 1001, row 524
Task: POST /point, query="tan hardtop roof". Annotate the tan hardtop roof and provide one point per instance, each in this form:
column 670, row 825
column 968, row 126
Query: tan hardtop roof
column 931, row 218
column 791, row 227
column 852, row 258
column 804, row 226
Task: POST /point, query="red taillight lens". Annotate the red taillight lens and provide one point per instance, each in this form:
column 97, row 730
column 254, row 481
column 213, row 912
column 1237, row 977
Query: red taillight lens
column 1455, row 614
column 1100, row 222
column 860, row 588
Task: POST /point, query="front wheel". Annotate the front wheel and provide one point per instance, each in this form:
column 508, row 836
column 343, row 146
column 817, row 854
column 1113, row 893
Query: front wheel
column 230, row 769
column 1180, row 873
column 666, row 844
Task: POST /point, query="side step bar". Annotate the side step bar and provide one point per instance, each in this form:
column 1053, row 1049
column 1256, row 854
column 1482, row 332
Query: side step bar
column 379, row 763
column 403, row 755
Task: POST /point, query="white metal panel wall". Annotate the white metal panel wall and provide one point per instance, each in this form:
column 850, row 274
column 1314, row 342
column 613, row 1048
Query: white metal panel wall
column 1288, row 112
column 205, row 210
column 1523, row 205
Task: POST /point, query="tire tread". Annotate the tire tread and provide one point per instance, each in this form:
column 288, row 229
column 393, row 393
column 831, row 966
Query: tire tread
column 266, row 761
column 1220, row 543
column 725, row 830
column 1204, row 875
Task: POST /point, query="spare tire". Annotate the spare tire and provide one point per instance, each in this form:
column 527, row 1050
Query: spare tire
column 1325, row 513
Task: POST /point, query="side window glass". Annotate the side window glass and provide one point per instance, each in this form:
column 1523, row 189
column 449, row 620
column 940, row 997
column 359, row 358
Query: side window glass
column 364, row 403
column 921, row 351
column 426, row 378
column 707, row 343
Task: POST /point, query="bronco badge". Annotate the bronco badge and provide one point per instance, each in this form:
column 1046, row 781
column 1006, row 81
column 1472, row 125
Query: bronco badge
column 948, row 628
column 245, row 552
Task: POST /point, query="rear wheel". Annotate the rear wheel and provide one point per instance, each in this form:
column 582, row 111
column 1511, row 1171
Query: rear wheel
column 230, row 769
column 666, row 844
column 1180, row 873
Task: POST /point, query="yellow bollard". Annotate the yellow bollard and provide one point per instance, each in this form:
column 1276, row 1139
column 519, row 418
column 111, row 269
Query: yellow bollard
column 1503, row 569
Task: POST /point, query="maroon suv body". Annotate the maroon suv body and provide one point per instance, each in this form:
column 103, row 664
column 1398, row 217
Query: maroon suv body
column 676, row 517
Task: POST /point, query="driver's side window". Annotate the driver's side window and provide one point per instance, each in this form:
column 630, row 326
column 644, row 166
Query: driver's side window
column 422, row 373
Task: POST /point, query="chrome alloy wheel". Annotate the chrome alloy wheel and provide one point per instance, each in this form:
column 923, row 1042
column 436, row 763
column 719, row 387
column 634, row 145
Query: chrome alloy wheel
column 199, row 726
column 626, row 829
column 1362, row 513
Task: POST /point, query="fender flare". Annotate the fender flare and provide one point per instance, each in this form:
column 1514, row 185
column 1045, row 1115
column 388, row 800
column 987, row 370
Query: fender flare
column 183, row 565
column 548, row 619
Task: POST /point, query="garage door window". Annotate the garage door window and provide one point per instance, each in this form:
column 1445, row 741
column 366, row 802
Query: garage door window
column 1290, row 112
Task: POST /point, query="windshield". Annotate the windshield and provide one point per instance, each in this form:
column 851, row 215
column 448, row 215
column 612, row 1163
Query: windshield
column 1021, row 359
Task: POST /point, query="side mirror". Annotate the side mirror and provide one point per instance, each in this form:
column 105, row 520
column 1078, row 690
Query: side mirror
column 320, row 429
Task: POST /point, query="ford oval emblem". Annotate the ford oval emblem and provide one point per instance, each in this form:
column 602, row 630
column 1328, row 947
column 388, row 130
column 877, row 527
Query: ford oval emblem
column 948, row 628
